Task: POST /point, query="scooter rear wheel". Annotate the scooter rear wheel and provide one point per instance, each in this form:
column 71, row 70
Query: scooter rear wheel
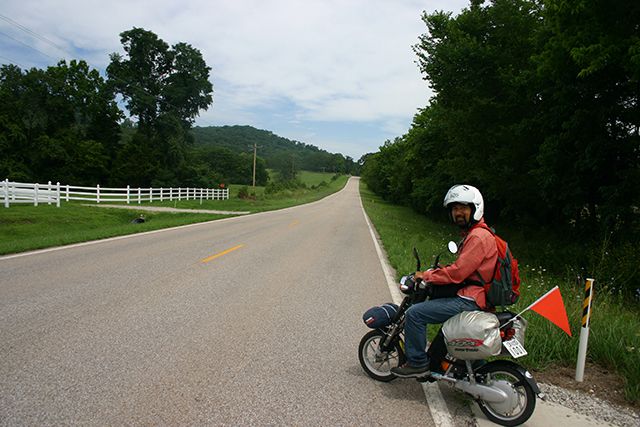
column 375, row 363
column 521, row 400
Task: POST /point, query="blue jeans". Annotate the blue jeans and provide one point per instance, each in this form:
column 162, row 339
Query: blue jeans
column 420, row 315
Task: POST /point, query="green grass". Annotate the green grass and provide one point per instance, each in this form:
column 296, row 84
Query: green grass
column 28, row 227
column 314, row 178
column 614, row 340
column 263, row 202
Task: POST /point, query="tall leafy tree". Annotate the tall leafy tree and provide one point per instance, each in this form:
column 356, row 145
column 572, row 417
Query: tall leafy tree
column 589, row 66
column 58, row 124
column 479, row 66
column 164, row 88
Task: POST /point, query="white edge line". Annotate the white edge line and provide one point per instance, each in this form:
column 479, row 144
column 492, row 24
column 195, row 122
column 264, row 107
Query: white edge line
column 437, row 406
column 162, row 230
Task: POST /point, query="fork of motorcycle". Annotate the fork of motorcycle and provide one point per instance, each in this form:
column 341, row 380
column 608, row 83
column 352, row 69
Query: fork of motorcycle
column 387, row 342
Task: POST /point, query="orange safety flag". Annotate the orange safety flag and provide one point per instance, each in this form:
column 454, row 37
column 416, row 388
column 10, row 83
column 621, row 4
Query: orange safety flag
column 551, row 306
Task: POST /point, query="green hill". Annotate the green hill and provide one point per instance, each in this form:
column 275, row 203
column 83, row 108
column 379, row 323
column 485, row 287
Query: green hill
column 277, row 152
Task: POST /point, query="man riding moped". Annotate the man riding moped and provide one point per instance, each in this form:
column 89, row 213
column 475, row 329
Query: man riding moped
column 460, row 280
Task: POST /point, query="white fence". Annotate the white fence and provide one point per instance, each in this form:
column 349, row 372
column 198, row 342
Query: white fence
column 18, row 192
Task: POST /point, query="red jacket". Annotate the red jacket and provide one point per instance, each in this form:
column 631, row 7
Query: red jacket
column 478, row 255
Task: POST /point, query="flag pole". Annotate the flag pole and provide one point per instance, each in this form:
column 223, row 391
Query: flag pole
column 530, row 305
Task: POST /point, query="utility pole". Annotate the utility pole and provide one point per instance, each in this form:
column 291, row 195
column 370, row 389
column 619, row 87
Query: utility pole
column 255, row 149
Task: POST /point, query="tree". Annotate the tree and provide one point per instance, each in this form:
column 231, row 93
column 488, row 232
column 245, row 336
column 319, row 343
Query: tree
column 479, row 65
column 164, row 88
column 58, row 124
column 589, row 66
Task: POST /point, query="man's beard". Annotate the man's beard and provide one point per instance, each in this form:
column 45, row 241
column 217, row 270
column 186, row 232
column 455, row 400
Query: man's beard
column 461, row 221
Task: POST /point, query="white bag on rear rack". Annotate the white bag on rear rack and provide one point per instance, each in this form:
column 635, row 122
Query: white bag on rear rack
column 472, row 335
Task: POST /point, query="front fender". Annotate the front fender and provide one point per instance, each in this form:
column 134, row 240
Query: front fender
column 527, row 375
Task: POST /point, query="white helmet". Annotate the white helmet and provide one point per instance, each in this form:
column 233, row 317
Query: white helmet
column 469, row 196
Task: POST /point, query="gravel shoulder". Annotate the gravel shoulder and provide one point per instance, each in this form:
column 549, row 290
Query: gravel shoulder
column 600, row 395
column 593, row 407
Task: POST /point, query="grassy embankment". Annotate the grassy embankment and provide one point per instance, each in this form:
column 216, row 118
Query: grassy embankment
column 614, row 341
column 28, row 227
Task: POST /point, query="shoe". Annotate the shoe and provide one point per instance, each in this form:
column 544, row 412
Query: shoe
column 408, row 371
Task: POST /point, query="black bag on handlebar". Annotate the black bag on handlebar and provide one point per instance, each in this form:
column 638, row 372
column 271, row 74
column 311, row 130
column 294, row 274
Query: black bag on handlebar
column 380, row 315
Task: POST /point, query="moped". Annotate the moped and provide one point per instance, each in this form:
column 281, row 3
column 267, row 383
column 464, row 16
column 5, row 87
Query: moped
column 504, row 390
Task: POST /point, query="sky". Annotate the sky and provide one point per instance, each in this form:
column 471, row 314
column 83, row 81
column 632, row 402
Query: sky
column 337, row 74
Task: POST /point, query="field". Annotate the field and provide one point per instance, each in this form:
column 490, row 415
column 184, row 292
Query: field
column 28, row 227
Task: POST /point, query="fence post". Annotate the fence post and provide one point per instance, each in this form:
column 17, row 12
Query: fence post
column 6, row 192
column 139, row 195
column 161, row 198
column 49, row 193
column 35, row 193
column 179, row 193
column 98, row 193
column 67, row 192
column 150, row 195
column 58, row 194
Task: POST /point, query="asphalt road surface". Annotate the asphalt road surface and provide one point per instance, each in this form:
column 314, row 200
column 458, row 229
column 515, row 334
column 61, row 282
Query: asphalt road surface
column 253, row 320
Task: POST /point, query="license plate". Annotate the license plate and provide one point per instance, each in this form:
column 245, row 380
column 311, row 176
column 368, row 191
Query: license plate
column 514, row 348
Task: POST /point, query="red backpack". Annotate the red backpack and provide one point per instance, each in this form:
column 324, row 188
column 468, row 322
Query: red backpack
column 504, row 287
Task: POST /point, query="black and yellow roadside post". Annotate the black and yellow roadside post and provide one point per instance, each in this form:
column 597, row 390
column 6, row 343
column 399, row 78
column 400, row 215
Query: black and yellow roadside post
column 584, row 331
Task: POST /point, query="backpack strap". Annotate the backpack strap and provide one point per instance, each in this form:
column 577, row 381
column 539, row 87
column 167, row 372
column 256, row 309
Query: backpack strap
column 477, row 273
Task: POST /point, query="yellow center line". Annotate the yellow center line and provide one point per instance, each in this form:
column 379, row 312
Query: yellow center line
column 294, row 223
column 212, row 257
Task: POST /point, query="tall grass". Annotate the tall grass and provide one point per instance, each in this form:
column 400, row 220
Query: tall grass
column 614, row 341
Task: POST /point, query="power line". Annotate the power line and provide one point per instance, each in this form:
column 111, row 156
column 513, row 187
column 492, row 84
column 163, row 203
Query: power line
column 31, row 32
column 45, row 40
column 11, row 61
column 27, row 45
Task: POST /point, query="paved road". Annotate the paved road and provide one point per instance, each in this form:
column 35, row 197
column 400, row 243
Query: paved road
column 247, row 321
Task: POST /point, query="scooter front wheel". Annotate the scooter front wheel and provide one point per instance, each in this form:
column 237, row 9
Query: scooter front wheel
column 521, row 399
column 376, row 363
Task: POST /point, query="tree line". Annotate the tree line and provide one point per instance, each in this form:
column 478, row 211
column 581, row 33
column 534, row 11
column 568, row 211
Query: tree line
column 64, row 123
column 536, row 103
column 280, row 154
